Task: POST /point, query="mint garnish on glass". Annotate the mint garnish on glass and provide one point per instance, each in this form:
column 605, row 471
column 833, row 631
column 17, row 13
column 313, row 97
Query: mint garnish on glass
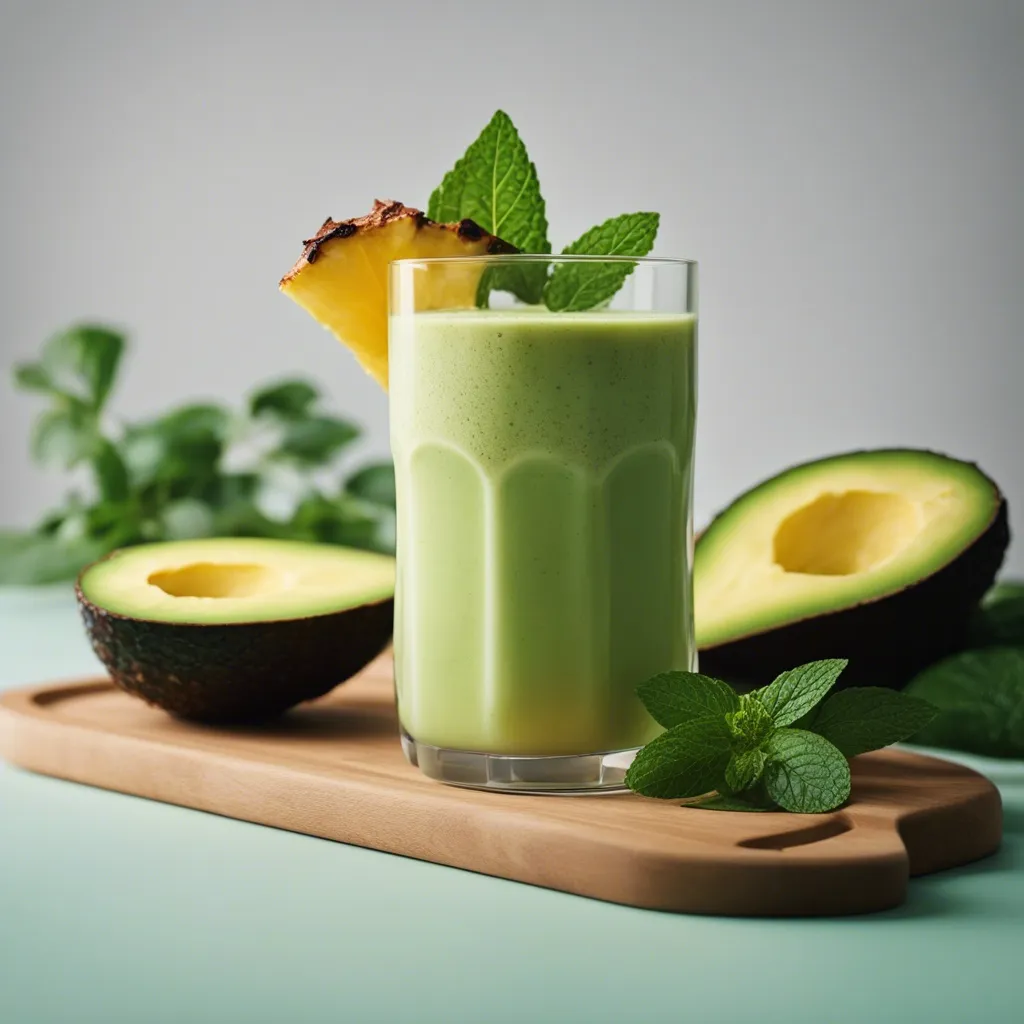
column 779, row 747
column 495, row 184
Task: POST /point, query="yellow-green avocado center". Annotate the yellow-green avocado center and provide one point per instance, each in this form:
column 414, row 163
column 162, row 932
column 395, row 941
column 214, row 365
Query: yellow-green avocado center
column 220, row 581
column 833, row 534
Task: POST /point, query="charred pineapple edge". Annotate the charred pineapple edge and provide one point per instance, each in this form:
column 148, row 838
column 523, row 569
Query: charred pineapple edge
column 385, row 212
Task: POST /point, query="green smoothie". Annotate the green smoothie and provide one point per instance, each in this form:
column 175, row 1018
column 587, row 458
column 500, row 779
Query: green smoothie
column 543, row 465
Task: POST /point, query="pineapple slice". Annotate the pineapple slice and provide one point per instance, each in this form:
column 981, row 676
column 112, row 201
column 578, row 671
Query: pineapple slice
column 341, row 277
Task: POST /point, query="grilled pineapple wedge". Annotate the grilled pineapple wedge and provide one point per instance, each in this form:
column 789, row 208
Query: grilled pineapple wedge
column 341, row 277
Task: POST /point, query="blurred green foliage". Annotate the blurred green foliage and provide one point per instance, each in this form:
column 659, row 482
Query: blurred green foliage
column 201, row 470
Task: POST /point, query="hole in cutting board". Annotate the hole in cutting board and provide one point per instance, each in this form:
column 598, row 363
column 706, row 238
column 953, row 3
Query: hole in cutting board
column 800, row 836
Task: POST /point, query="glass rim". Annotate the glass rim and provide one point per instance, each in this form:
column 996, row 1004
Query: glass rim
column 525, row 257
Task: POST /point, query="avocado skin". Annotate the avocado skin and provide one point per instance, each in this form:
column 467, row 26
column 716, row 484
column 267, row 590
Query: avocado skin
column 238, row 671
column 888, row 640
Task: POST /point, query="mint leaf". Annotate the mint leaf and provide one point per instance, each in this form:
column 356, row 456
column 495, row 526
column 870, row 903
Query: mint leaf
column 1000, row 619
column 721, row 802
column 795, row 692
column 673, row 698
column 580, row 285
column 445, row 204
column 688, row 760
column 805, row 773
column 495, row 184
column 744, row 770
column 980, row 696
column 869, row 718
column 291, row 399
column 751, row 725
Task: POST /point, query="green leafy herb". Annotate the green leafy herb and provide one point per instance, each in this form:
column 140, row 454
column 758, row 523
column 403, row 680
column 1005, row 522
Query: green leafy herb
column 65, row 437
column 980, row 696
column 374, row 483
column 1000, row 619
column 291, row 400
column 315, row 440
column 869, row 717
column 495, row 184
column 740, row 753
column 744, row 770
column 197, row 471
column 580, row 285
column 720, row 802
column 77, row 365
column 686, row 761
column 795, row 692
column 805, row 773
column 672, row 702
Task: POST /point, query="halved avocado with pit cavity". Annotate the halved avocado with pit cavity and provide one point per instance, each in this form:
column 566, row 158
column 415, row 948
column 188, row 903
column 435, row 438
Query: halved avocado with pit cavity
column 236, row 629
column 875, row 556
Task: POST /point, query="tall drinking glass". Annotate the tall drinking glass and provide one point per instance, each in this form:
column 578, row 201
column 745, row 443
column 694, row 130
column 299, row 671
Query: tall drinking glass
column 543, row 463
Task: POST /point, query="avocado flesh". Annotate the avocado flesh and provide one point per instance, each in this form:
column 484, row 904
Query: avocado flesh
column 236, row 629
column 878, row 556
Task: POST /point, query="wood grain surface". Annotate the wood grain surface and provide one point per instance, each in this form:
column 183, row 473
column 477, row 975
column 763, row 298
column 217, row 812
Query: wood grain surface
column 334, row 769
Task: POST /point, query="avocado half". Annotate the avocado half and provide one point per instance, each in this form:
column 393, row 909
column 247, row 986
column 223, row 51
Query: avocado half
column 236, row 629
column 876, row 556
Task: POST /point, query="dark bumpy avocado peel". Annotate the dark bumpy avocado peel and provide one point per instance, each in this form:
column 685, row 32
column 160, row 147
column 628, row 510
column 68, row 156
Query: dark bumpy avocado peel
column 239, row 671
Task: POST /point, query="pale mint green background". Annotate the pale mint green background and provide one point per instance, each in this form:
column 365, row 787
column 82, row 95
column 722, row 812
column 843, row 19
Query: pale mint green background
column 115, row 909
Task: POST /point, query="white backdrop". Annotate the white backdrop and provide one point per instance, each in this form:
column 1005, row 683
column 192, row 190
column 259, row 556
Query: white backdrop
column 849, row 175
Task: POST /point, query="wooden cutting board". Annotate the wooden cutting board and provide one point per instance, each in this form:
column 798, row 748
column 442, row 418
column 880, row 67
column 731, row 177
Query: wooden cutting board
column 334, row 769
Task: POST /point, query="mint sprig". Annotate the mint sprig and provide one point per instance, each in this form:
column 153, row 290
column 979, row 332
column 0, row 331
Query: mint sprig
column 804, row 772
column 576, row 286
column 495, row 184
column 778, row 747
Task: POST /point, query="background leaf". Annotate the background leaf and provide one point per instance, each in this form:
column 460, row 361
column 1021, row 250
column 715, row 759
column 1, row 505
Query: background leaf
column 187, row 519
column 181, row 450
column 318, row 439
column 980, row 697
column 1000, row 619
column 32, row 559
column 375, row 482
column 32, row 377
column 168, row 478
column 290, row 399
column 110, row 472
column 82, row 362
column 336, row 521
column 65, row 437
column 805, row 773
